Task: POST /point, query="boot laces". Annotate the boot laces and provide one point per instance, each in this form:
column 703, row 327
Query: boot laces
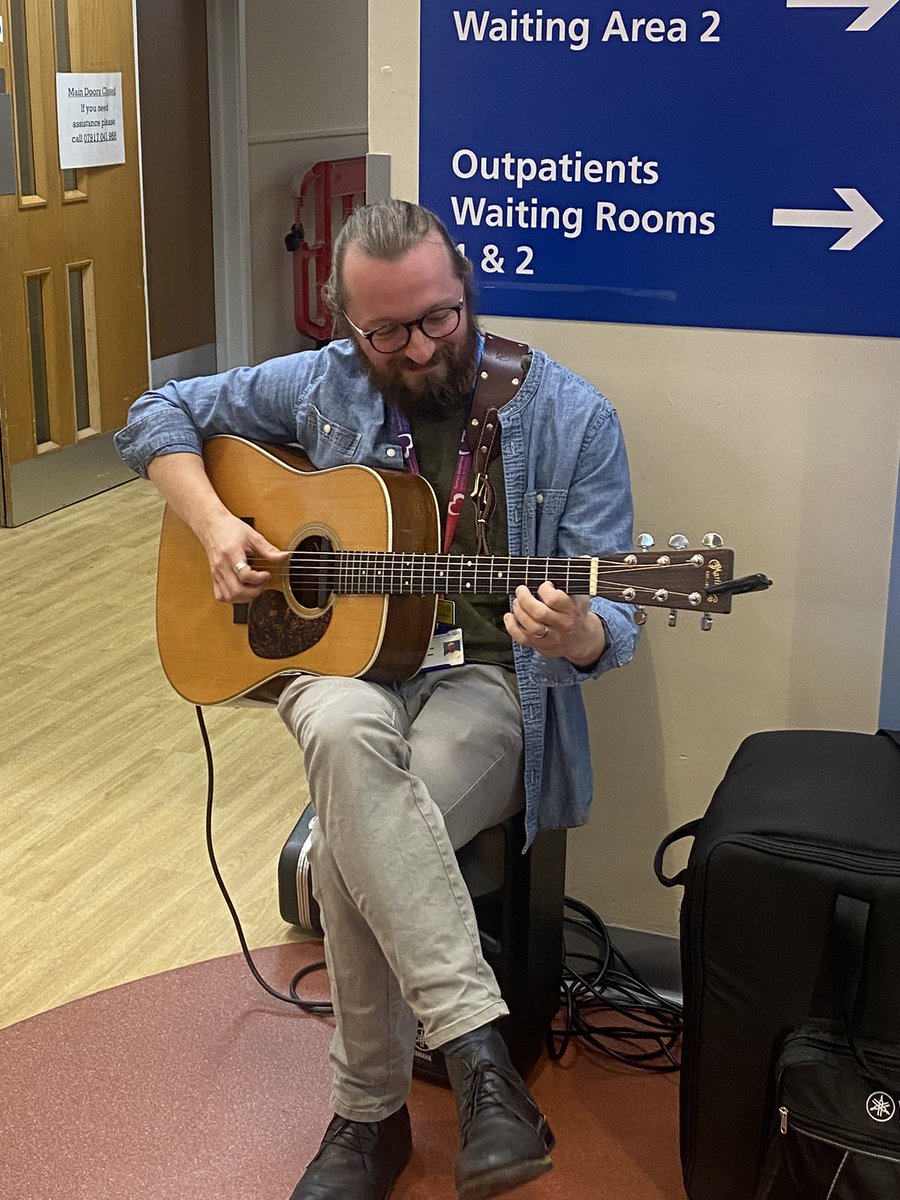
column 353, row 1135
column 490, row 1088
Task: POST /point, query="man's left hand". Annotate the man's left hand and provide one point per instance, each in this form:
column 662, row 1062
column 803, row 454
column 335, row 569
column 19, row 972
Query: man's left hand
column 556, row 624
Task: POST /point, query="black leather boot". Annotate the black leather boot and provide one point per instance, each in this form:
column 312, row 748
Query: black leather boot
column 505, row 1140
column 358, row 1160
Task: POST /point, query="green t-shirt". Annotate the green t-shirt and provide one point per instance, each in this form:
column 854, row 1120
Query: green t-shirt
column 480, row 617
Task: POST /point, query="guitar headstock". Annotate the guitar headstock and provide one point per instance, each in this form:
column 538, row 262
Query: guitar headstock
column 677, row 578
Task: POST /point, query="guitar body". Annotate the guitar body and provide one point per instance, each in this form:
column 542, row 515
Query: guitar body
column 213, row 652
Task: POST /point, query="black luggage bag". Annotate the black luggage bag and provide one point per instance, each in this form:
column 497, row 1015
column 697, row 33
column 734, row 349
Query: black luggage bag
column 790, row 948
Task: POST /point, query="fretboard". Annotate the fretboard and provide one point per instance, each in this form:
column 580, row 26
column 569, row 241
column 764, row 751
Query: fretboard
column 389, row 573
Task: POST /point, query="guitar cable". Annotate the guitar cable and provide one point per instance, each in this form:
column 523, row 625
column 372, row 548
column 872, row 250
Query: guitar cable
column 320, row 1008
column 593, row 980
column 597, row 978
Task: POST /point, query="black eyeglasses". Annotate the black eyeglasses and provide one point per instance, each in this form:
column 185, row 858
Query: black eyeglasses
column 388, row 339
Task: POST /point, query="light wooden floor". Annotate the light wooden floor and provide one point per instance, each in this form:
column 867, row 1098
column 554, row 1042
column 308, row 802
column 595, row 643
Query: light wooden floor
column 103, row 870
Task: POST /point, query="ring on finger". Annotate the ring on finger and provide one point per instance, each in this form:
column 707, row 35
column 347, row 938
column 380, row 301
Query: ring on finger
column 546, row 630
column 240, row 565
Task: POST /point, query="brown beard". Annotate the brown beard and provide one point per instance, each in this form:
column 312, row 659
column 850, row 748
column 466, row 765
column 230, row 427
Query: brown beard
column 437, row 399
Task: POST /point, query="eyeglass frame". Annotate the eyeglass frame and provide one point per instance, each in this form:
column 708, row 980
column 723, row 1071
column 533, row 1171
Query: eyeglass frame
column 409, row 326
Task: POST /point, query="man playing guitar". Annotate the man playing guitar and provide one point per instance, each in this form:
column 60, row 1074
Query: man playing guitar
column 404, row 772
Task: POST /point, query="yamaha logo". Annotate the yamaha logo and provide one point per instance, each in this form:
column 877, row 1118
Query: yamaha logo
column 881, row 1107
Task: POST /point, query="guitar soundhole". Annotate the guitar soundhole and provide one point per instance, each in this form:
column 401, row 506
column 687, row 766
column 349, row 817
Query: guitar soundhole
column 311, row 574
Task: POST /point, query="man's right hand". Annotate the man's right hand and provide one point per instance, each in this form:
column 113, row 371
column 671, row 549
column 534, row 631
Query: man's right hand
column 241, row 560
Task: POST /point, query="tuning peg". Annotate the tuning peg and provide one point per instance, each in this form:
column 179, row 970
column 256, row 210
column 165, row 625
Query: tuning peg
column 673, row 616
column 679, row 542
column 713, row 540
column 706, row 621
column 644, row 541
column 640, row 616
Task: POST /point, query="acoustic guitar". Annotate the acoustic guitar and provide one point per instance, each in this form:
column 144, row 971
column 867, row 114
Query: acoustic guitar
column 358, row 595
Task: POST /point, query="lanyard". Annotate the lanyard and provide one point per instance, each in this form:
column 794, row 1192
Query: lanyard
column 460, row 476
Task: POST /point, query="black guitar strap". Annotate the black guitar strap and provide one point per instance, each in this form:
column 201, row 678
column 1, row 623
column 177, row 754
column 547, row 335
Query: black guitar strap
column 499, row 378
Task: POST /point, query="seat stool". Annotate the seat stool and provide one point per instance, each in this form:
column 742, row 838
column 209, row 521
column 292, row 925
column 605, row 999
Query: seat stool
column 518, row 900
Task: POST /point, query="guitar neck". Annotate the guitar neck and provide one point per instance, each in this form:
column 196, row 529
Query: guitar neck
column 679, row 579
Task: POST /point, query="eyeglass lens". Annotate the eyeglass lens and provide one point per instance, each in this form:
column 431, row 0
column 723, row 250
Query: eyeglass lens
column 439, row 323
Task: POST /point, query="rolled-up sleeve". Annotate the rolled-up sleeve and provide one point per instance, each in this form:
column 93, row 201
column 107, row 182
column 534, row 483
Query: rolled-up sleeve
column 261, row 403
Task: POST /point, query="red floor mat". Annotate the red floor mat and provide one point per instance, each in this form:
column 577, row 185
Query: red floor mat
column 196, row 1085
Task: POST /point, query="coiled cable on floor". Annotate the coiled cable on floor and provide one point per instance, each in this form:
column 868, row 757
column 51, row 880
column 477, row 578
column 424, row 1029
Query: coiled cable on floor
column 598, row 981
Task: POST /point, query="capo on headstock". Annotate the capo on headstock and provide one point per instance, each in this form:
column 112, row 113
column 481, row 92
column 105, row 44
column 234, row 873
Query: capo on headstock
column 737, row 587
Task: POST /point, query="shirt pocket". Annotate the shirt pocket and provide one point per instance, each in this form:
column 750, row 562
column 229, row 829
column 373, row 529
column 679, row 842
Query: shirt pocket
column 328, row 441
column 541, row 513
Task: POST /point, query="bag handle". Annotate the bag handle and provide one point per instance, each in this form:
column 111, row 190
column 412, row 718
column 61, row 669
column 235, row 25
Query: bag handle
column 841, row 970
column 849, row 931
column 683, row 831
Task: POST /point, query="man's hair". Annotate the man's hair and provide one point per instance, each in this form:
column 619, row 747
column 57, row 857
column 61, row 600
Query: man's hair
column 386, row 231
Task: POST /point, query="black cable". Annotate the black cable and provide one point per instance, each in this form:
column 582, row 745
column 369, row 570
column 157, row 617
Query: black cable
column 601, row 980
column 321, row 1008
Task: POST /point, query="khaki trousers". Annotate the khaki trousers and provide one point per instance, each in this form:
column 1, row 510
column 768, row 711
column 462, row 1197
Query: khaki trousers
column 401, row 775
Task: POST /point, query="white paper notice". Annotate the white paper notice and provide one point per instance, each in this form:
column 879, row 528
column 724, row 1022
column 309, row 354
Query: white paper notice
column 89, row 111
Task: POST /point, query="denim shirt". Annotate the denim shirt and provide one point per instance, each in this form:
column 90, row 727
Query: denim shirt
column 567, row 490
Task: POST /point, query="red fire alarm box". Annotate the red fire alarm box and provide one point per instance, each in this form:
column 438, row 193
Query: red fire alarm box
column 327, row 196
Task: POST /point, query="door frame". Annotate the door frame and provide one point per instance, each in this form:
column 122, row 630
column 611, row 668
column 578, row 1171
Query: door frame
column 230, row 166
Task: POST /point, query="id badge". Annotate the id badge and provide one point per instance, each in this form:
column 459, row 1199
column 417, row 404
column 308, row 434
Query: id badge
column 444, row 650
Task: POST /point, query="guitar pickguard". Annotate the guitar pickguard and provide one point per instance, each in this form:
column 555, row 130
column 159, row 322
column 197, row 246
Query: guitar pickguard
column 276, row 631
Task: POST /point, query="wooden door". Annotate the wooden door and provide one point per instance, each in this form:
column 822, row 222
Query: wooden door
column 73, row 327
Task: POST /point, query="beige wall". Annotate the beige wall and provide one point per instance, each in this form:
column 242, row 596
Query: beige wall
column 787, row 444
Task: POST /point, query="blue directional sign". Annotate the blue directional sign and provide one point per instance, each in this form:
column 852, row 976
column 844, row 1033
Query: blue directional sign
column 731, row 165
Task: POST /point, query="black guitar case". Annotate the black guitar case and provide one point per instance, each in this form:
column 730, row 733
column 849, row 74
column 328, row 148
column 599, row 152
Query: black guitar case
column 803, row 829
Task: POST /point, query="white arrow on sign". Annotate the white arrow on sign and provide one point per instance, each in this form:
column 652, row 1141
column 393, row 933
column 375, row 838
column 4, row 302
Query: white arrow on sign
column 859, row 219
column 873, row 10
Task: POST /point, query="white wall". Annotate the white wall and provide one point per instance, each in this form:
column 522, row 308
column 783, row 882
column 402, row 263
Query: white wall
column 788, row 445
column 306, row 101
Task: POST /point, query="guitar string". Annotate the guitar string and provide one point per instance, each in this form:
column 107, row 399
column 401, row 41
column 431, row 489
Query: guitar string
column 581, row 560
column 348, row 571
column 355, row 561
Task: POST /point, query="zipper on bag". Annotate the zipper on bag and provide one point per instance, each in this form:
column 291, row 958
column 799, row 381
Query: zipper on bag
column 788, row 1121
